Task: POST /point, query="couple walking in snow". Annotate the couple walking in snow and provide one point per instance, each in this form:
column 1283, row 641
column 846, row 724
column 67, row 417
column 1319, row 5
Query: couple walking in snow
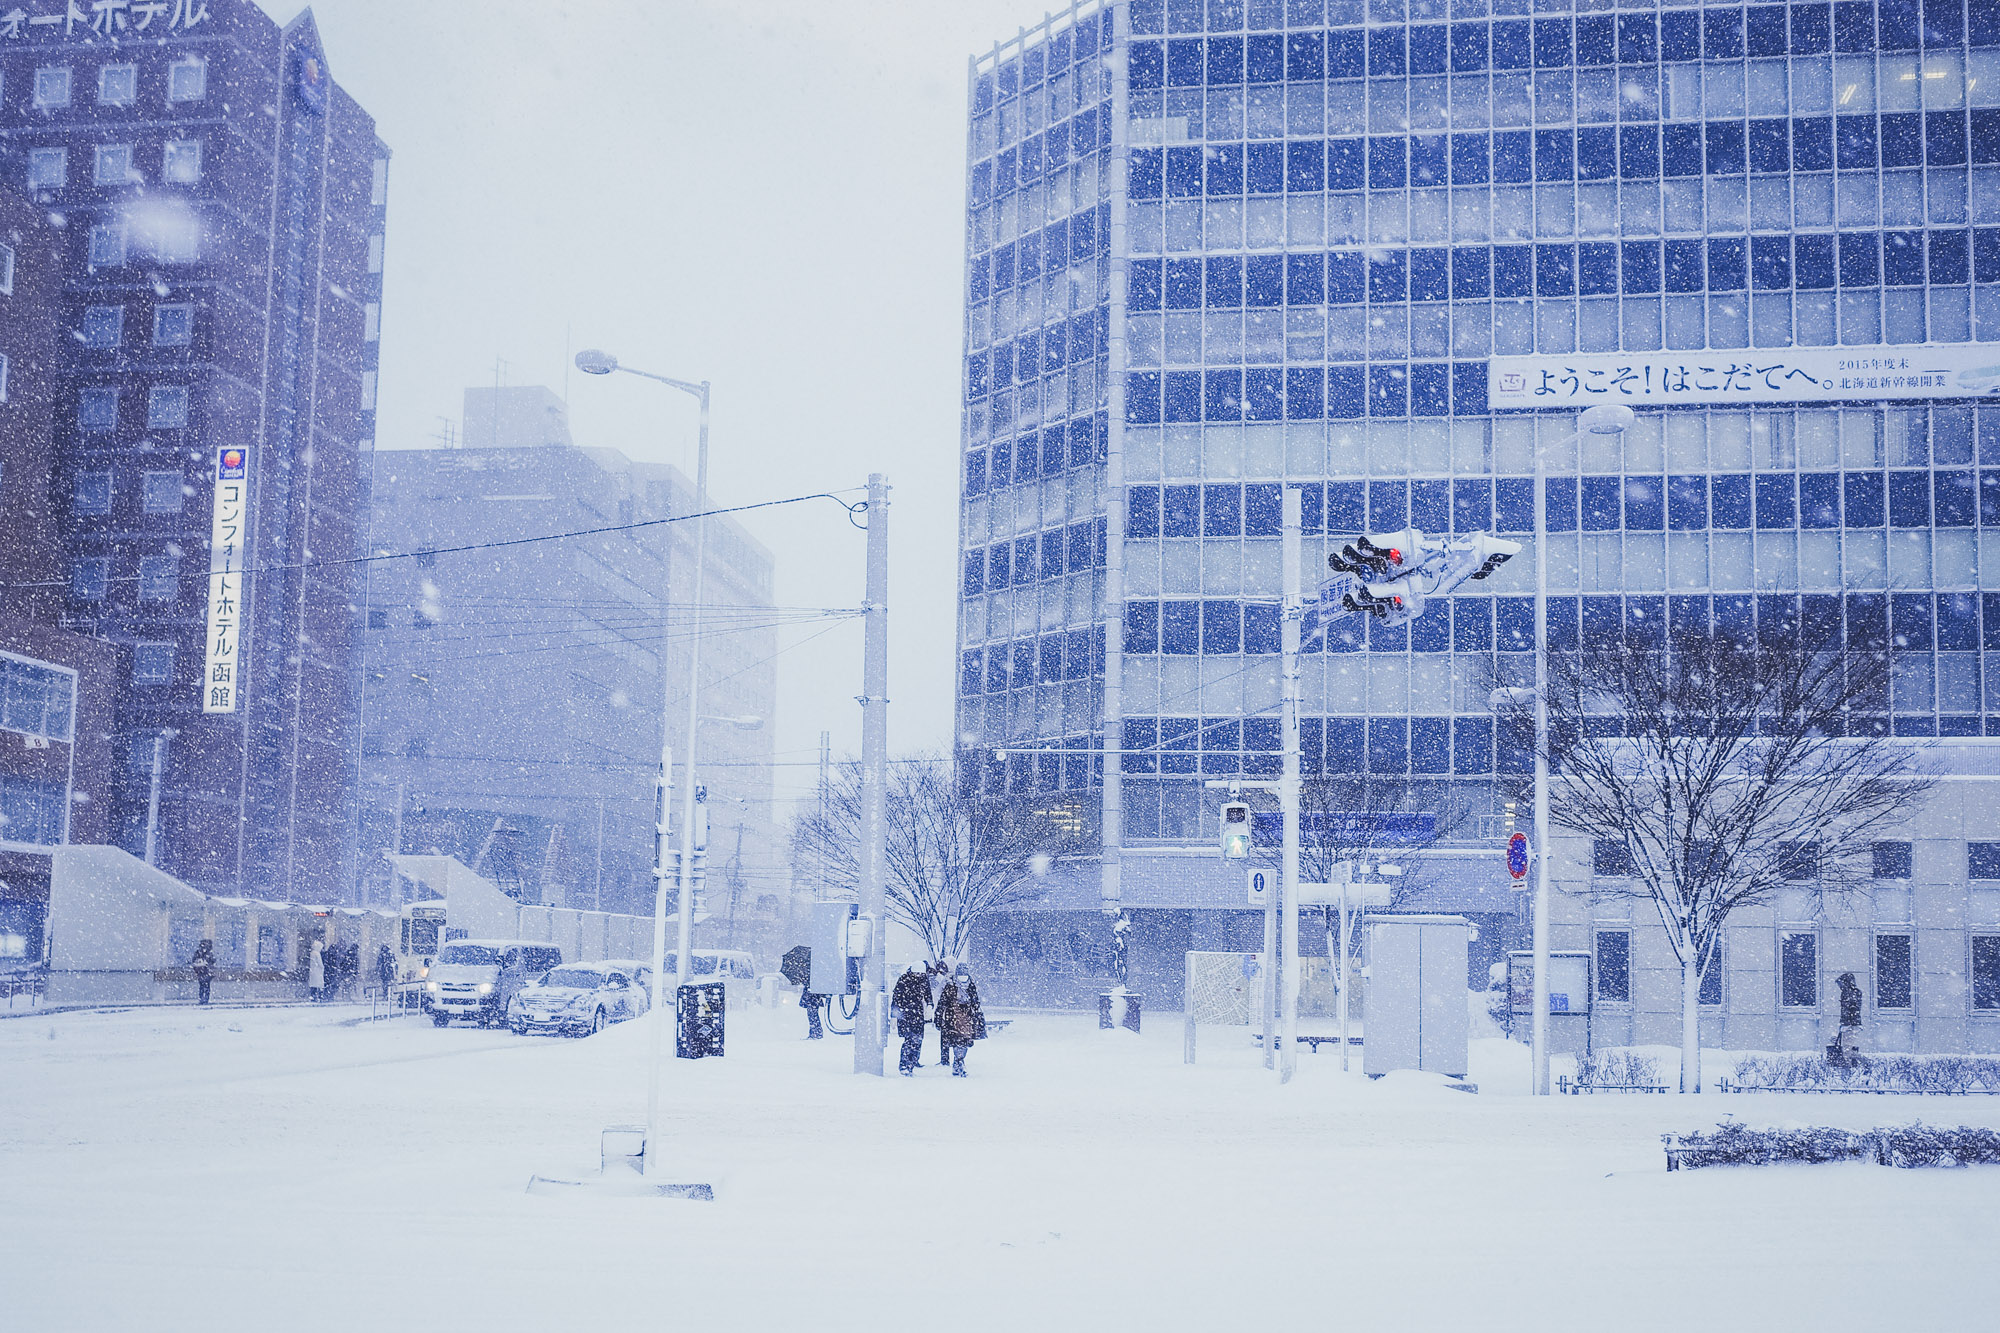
column 953, row 1000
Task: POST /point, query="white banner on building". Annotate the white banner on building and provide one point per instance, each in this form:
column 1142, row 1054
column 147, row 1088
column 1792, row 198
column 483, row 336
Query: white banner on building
column 220, row 685
column 1744, row 375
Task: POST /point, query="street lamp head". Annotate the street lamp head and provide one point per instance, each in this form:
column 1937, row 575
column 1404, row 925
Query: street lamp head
column 1606, row 419
column 593, row 362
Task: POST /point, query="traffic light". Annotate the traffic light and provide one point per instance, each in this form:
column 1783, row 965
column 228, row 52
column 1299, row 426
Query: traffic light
column 1391, row 576
column 1235, row 830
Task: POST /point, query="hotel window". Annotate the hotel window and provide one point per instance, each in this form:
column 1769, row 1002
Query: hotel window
column 97, row 409
column 1986, row 972
column 103, row 326
column 1614, row 966
column 35, row 698
column 371, row 322
column 181, row 164
column 114, row 164
column 378, row 189
column 161, row 492
column 375, row 253
column 1893, row 974
column 52, row 86
column 1798, row 970
column 87, row 577
column 107, row 245
column 176, row 240
column 167, row 407
column 3, row 378
column 1891, row 860
column 187, row 80
column 173, row 325
column 93, row 493
column 48, row 168
column 159, row 578
column 1982, row 860
column 117, row 85
column 6, row 270
column 367, row 391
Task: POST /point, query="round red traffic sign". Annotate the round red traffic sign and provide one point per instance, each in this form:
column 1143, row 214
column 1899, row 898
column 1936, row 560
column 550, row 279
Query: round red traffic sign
column 1517, row 856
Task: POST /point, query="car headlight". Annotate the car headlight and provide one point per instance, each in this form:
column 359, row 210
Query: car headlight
column 581, row 1001
column 485, row 988
column 432, row 987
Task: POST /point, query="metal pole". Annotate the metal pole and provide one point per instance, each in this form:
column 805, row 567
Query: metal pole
column 1288, row 787
column 1340, row 969
column 1539, row 1041
column 869, row 1035
column 663, row 803
column 685, row 939
column 1270, row 996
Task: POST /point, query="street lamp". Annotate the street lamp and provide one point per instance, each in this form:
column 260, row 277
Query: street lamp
column 1603, row 419
column 594, row 362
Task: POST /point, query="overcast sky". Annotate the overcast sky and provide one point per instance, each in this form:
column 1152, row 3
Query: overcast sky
column 767, row 195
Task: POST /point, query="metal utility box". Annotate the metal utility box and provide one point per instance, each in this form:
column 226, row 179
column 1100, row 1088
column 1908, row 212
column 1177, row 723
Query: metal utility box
column 700, row 1010
column 833, row 972
column 1417, row 1016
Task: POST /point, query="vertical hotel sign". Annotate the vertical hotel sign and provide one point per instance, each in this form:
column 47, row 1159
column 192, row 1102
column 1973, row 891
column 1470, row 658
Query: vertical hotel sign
column 219, row 690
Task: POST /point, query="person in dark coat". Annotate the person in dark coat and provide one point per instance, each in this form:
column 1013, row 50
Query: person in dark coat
column 910, row 999
column 203, row 967
column 385, row 970
column 959, row 1017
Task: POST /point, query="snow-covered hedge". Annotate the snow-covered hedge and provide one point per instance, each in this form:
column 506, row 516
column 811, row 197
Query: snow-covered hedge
column 1617, row 1067
column 1872, row 1073
column 1896, row 1145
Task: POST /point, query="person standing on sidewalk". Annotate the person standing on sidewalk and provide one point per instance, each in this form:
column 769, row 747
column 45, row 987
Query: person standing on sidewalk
column 940, row 974
column 910, row 998
column 316, row 971
column 203, row 967
column 960, row 1018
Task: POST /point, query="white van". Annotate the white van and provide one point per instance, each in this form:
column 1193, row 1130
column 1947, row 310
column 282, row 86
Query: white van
column 732, row 967
column 475, row 979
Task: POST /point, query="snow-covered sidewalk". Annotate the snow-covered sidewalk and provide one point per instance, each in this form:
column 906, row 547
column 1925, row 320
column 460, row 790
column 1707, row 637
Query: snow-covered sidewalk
column 297, row 1169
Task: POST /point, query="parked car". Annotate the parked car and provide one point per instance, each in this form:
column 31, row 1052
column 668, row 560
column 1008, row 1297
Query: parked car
column 475, row 979
column 641, row 973
column 576, row 1000
column 732, row 967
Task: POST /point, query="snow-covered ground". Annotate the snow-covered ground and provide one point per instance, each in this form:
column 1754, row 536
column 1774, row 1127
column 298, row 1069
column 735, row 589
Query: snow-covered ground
column 297, row 1170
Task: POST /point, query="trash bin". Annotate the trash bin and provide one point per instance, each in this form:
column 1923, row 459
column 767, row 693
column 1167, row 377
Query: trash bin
column 1118, row 1009
column 699, row 1011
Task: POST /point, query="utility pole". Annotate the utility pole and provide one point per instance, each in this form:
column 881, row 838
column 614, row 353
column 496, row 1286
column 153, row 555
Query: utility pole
column 869, row 1032
column 686, row 940
column 662, row 1017
column 1288, row 786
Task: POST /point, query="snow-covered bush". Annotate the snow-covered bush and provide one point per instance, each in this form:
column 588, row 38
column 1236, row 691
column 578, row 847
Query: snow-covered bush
column 1873, row 1073
column 1734, row 1144
column 1617, row 1068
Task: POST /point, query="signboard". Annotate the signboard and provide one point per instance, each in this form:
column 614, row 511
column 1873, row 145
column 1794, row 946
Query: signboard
column 1517, row 855
column 1347, row 829
column 1744, row 375
column 1569, row 983
column 1260, row 887
column 221, row 684
column 102, row 18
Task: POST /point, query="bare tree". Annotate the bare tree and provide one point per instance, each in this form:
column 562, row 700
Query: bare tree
column 953, row 858
column 1715, row 773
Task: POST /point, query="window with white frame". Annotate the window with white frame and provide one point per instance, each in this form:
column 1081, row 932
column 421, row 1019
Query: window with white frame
column 118, row 85
column 114, row 164
column 375, row 253
column 367, row 391
column 103, row 326
column 6, row 269
column 181, row 164
column 173, row 325
column 162, row 492
column 152, row 663
column 187, row 80
column 175, row 239
column 48, row 168
column 371, row 322
column 35, row 698
column 159, row 578
column 167, row 407
column 107, row 245
column 97, row 408
column 3, row 377
column 87, row 578
column 52, row 86
column 93, row 493
column 378, row 189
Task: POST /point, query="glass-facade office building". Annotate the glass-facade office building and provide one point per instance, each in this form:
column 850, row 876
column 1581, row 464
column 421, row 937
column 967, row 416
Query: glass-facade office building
column 1216, row 249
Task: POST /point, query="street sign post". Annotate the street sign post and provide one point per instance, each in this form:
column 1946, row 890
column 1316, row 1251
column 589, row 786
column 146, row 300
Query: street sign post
column 1260, row 887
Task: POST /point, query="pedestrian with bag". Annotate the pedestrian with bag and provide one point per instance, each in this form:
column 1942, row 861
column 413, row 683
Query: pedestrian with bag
column 939, row 975
column 203, row 967
column 959, row 1017
column 911, row 997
